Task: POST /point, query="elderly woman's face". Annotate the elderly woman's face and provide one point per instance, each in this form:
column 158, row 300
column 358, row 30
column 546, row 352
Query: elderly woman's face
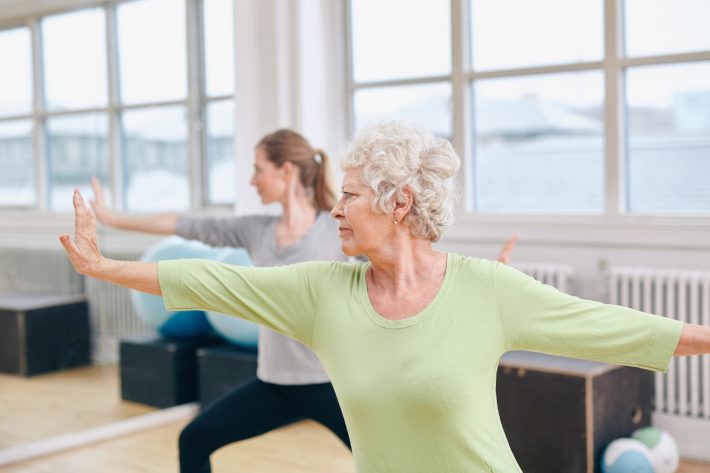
column 362, row 230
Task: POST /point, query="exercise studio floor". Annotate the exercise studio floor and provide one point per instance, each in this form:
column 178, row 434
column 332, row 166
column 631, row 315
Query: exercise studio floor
column 50, row 405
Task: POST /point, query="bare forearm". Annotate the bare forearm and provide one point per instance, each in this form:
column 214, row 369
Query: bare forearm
column 162, row 224
column 138, row 275
column 694, row 340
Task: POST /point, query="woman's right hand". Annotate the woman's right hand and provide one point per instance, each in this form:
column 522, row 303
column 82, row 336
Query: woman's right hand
column 83, row 251
column 101, row 210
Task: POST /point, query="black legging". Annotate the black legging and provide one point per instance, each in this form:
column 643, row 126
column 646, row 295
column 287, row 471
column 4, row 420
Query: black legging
column 252, row 409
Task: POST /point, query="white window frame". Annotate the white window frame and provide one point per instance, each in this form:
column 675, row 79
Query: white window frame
column 614, row 224
column 196, row 103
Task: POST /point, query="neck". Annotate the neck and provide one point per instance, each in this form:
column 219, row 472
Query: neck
column 406, row 264
column 298, row 210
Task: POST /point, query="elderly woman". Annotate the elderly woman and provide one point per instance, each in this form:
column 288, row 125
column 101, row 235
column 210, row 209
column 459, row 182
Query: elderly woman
column 412, row 338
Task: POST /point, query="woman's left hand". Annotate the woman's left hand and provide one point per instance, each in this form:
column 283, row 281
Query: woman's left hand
column 83, row 251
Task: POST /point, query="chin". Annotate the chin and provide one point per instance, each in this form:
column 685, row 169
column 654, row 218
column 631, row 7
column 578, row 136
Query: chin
column 349, row 251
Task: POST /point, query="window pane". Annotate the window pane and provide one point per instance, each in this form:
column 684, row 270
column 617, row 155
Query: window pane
column 668, row 149
column 219, row 47
column 220, row 152
column 16, row 54
column 666, row 26
column 427, row 105
column 155, row 159
column 518, row 33
column 16, row 162
column 152, row 51
column 539, row 143
column 400, row 38
column 75, row 60
column 77, row 147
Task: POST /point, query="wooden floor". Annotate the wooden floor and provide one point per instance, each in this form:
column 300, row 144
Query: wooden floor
column 40, row 407
column 68, row 401
column 302, row 448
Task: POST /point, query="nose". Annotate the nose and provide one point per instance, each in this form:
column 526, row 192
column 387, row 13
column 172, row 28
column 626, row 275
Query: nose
column 337, row 211
column 252, row 181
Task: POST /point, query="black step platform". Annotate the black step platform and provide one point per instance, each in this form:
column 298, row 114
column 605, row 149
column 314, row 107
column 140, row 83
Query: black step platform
column 160, row 372
column 223, row 367
column 42, row 332
column 559, row 413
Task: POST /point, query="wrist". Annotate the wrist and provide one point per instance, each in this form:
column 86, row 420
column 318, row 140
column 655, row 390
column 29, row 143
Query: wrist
column 101, row 268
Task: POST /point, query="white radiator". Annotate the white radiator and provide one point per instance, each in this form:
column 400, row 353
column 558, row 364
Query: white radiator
column 36, row 270
column 110, row 311
column 682, row 396
column 556, row 275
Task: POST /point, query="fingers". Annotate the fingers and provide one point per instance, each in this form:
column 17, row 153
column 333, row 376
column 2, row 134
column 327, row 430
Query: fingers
column 68, row 245
column 85, row 222
column 505, row 252
column 98, row 191
column 510, row 244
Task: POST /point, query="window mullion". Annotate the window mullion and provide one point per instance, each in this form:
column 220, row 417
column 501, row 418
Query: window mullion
column 460, row 108
column 350, row 85
column 614, row 174
column 115, row 141
column 195, row 104
column 39, row 137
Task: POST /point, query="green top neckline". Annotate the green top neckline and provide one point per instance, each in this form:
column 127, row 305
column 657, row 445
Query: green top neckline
column 378, row 319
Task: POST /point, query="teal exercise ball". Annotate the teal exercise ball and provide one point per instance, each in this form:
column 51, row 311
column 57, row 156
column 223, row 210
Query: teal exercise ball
column 627, row 456
column 664, row 450
column 231, row 328
column 151, row 309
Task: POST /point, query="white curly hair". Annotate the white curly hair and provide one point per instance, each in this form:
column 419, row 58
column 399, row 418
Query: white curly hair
column 398, row 155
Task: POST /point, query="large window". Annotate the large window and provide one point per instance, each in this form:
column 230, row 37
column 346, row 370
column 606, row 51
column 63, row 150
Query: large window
column 139, row 93
column 218, row 167
column 557, row 107
column 401, row 62
column 17, row 179
column 538, row 143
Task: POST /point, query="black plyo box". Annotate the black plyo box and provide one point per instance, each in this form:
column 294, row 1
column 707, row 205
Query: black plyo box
column 43, row 332
column 222, row 368
column 160, row 372
column 559, row 413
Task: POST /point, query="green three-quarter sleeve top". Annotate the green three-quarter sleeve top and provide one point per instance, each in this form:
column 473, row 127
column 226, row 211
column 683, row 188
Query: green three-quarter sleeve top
column 418, row 394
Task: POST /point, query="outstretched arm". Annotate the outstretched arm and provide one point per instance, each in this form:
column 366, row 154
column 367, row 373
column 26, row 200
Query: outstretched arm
column 85, row 256
column 694, row 340
column 160, row 224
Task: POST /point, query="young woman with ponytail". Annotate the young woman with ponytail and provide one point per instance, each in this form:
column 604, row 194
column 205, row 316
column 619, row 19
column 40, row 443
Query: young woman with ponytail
column 291, row 384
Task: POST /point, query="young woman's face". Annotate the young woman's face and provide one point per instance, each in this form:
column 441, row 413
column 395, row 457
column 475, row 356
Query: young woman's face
column 269, row 180
column 362, row 231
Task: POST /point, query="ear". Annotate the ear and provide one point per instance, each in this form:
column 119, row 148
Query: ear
column 288, row 168
column 402, row 208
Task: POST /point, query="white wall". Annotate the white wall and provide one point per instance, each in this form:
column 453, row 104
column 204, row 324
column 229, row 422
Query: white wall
column 289, row 73
column 587, row 244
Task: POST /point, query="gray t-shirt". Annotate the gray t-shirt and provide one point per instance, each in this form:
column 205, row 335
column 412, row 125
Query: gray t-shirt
column 282, row 360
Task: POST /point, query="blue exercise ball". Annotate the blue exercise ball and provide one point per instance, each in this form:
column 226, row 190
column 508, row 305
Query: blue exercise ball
column 233, row 329
column 151, row 309
column 627, row 456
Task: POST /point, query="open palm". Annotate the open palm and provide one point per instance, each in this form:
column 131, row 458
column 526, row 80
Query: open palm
column 83, row 250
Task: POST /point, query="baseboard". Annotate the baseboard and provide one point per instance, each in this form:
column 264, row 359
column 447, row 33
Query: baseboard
column 691, row 434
